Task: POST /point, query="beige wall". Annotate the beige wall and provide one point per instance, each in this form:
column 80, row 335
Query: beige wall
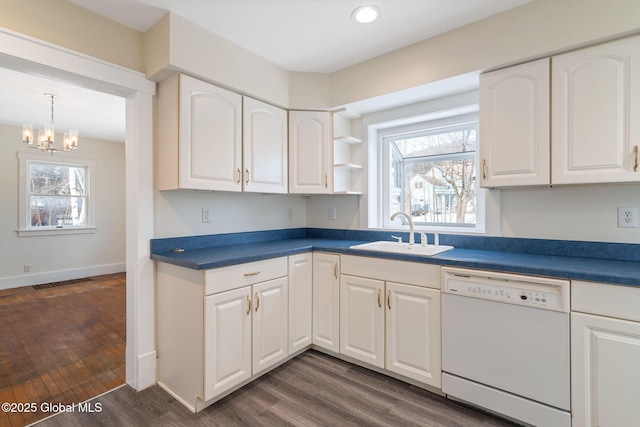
column 530, row 31
column 102, row 250
column 537, row 29
column 65, row 24
column 200, row 53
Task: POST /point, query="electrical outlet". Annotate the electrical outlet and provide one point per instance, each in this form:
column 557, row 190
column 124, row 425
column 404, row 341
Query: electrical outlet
column 206, row 215
column 628, row 217
column 332, row 213
column 27, row 268
column 290, row 214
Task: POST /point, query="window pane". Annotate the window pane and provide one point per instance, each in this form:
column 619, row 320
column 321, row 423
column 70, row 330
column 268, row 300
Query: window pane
column 440, row 192
column 56, row 180
column 452, row 139
column 52, row 211
column 435, row 176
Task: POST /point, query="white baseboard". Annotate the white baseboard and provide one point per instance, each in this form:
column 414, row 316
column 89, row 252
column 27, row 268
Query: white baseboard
column 146, row 376
column 60, row 275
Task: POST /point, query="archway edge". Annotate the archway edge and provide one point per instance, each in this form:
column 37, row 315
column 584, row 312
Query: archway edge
column 29, row 55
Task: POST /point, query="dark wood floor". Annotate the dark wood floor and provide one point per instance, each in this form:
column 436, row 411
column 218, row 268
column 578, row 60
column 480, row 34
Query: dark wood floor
column 311, row 390
column 62, row 344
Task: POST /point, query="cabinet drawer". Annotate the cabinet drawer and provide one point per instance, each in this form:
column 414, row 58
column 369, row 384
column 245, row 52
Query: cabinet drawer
column 411, row 273
column 605, row 299
column 235, row 276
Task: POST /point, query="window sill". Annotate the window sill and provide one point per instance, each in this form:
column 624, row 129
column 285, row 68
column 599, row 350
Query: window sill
column 55, row 231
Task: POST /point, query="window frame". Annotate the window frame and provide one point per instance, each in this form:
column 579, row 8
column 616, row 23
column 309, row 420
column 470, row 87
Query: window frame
column 25, row 229
column 379, row 211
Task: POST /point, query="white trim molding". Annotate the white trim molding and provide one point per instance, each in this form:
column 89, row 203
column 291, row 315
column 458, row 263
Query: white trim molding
column 37, row 57
column 60, row 275
column 25, row 229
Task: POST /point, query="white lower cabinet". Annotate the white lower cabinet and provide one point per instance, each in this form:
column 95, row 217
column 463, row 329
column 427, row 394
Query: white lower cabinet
column 326, row 301
column 395, row 326
column 300, row 301
column 605, row 355
column 219, row 328
column 227, row 320
column 270, row 337
column 413, row 332
column 362, row 319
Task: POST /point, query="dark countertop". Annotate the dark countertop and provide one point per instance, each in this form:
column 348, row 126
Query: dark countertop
column 569, row 267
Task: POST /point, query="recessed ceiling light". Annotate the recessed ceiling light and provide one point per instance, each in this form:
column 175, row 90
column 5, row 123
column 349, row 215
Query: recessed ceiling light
column 365, row 14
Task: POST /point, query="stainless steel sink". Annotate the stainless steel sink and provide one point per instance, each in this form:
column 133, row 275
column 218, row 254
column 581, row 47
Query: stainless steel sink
column 402, row 248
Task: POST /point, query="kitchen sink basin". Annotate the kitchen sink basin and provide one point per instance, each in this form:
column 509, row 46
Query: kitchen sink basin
column 402, row 248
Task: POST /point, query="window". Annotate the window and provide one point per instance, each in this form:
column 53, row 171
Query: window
column 55, row 195
column 427, row 169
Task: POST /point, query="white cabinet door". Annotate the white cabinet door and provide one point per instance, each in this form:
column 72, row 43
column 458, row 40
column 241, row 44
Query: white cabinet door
column 310, row 155
column 265, row 160
column 270, row 323
column 210, row 136
column 362, row 319
column 596, row 102
column 227, row 340
column 514, row 126
column 326, row 301
column 413, row 333
column 300, row 301
column 605, row 371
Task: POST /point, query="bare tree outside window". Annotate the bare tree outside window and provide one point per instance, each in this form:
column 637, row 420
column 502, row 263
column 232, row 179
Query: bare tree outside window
column 57, row 195
column 437, row 170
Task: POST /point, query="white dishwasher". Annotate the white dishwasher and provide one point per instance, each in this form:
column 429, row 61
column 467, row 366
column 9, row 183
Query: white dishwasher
column 505, row 344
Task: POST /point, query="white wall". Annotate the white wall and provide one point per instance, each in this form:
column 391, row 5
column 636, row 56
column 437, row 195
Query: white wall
column 587, row 213
column 179, row 213
column 54, row 258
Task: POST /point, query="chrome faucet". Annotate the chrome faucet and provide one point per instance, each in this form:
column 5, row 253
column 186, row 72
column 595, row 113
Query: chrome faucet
column 411, row 238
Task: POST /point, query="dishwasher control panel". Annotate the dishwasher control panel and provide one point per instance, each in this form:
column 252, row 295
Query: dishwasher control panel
column 544, row 293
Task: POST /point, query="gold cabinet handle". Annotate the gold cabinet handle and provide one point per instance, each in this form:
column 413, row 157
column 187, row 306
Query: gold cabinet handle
column 248, row 305
column 635, row 152
column 253, row 273
column 484, row 168
column 239, row 172
column 247, row 178
column 257, row 301
column 379, row 298
column 335, row 270
column 389, row 299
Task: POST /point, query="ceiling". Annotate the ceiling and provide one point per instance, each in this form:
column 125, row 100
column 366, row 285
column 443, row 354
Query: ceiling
column 309, row 35
column 298, row 35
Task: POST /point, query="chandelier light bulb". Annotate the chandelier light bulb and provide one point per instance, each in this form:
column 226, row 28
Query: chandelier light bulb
column 46, row 136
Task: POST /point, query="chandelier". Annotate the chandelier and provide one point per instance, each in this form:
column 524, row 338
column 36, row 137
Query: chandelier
column 46, row 136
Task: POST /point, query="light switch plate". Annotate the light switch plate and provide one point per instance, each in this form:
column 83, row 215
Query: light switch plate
column 332, row 213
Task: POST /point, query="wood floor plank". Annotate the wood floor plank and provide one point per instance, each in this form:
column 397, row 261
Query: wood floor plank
column 310, row 390
column 52, row 339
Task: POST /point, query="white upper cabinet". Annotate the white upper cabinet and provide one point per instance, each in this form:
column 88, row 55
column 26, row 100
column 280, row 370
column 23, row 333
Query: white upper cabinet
column 199, row 136
column 310, row 157
column 264, row 148
column 514, row 126
column 596, row 105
